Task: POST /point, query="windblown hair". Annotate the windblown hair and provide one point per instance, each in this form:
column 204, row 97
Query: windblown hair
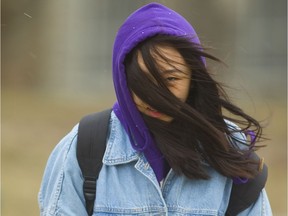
column 198, row 133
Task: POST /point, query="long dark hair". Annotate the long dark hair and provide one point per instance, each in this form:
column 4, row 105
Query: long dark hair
column 199, row 132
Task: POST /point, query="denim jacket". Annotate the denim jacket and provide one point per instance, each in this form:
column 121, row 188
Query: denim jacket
column 128, row 186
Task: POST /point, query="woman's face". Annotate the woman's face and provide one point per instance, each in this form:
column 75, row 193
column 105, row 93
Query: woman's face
column 176, row 74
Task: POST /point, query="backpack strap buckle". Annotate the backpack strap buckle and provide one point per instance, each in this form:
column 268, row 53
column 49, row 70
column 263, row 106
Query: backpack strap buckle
column 89, row 187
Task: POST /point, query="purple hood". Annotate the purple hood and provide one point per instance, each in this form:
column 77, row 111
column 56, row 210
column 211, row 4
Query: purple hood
column 145, row 22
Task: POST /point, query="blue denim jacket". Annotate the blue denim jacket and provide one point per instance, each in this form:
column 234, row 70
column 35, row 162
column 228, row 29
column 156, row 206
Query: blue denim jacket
column 128, row 186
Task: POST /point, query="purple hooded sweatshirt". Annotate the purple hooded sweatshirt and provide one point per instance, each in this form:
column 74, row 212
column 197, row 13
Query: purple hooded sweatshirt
column 150, row 20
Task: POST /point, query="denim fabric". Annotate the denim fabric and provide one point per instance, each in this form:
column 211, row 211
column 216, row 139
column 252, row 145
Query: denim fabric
column 128, row 186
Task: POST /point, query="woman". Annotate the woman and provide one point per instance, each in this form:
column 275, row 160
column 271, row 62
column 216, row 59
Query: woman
column 170, row 150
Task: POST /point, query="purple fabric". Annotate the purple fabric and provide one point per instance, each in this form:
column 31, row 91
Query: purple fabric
column 239, row 180
column 145, row 22
column 252, row 137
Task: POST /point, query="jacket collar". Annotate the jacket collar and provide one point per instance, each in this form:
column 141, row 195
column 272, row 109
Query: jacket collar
column 119, row 149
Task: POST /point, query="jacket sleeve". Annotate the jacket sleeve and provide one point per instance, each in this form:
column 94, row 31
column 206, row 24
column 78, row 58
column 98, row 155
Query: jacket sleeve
column 261, row 207
column 61, row 188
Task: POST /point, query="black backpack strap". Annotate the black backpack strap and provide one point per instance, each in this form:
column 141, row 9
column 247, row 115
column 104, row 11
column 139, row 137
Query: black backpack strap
column 244, row 195
column 91, row 145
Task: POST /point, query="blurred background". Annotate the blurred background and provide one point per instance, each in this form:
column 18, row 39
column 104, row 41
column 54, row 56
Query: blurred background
column 56, row 67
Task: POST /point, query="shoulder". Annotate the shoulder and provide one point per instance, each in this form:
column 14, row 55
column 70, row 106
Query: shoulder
column 64, row 146
column 59, row 155
column 61, row 166
column 236, row 137
column 63, row 179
